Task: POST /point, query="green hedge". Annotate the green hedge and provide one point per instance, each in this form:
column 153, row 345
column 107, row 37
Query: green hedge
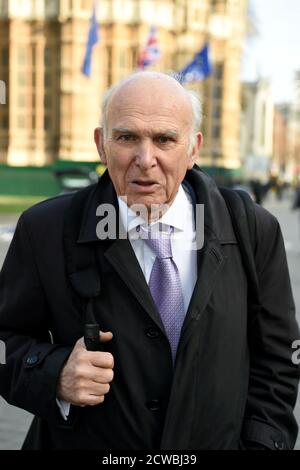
column 35, row 181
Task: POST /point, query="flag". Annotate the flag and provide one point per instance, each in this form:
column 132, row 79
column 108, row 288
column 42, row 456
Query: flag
column 150, row 53
column 199, row 68
column 93, row 38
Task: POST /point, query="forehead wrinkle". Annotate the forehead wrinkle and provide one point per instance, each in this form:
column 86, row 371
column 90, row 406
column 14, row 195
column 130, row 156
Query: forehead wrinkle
column 155, row 121
column 154, row 131
column 139, row 110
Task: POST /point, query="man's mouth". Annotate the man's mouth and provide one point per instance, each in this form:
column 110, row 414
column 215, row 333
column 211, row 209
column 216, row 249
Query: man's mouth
column 141, row 186
column 145, row 183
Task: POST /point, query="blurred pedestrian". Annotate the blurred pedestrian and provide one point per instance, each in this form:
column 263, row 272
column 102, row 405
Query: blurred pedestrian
column 296, row 202
column 257, row 190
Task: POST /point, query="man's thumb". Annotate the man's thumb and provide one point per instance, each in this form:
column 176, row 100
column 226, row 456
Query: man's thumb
column 105, row 337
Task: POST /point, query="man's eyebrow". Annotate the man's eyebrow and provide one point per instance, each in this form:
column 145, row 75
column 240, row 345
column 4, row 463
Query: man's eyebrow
column 122, row 130
column 167, row 133
column 157, row 132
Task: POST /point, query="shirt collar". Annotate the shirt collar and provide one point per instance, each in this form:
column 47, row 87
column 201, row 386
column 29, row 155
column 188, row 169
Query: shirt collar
column 173, row 217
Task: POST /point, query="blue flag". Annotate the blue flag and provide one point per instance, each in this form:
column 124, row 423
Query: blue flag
column 199, row 68
column 93, row 38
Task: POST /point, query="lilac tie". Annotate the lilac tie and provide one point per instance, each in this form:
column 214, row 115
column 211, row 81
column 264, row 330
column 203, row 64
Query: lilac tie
column 165, row 286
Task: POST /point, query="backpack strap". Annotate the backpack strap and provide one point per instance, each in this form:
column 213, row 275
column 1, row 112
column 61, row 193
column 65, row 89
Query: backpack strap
column 81, row 267
column 242, row 211
column 80, row 258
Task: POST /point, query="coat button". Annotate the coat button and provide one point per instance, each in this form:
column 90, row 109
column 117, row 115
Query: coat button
column 279, row 445
column 153, row 405
column 152, row 332
column 31, row 360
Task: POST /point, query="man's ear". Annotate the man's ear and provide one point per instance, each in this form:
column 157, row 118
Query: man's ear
column 99, row 141
column 195, row 150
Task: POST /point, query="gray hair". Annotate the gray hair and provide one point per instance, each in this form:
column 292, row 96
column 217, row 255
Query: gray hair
column 192, row 95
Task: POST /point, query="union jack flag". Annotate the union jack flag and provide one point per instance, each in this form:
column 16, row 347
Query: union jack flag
column 150, row 53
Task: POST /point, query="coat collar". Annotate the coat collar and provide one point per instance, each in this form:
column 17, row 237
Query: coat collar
column 217, row 223
column 101, row 193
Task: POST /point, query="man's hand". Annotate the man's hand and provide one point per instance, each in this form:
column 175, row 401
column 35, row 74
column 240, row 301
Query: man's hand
column 85, row 378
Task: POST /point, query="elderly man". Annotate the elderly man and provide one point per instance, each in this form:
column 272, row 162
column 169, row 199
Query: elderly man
column 185, row 364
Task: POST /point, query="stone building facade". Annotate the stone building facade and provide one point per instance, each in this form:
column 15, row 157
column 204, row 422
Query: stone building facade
column 51, row 108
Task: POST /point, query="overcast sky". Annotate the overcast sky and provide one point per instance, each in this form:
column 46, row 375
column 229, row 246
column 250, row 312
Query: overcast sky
column 275, row 52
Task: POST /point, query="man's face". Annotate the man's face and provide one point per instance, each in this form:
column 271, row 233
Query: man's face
column 146, row 147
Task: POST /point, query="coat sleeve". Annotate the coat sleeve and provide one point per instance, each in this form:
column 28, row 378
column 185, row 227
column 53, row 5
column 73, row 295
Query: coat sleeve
column 269, row 419
column 29, row 376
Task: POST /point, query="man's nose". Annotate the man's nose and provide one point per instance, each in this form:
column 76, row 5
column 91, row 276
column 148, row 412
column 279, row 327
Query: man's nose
column 145, row 155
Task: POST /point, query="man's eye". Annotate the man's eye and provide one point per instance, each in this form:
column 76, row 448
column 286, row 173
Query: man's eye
column 163, row 139
column 125, row 137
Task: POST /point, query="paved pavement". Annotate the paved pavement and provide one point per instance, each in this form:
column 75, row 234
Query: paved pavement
column 14, row 422
column 7, row 225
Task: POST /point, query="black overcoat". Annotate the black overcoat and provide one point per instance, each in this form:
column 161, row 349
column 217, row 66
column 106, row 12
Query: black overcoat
column 233, row 378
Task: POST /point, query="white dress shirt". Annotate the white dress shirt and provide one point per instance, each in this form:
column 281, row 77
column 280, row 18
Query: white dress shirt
column 180, row 216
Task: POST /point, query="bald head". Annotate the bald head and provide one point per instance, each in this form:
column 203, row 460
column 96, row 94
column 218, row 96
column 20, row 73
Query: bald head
column 149, row 138
column 149, row 83
column 155, row 89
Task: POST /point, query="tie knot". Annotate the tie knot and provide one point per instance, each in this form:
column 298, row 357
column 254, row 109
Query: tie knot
column 159, row 241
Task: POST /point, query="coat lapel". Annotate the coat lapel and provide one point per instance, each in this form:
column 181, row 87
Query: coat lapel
column 121, row 256
column 118, row 251
column 210, row 258
column 210, row 263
